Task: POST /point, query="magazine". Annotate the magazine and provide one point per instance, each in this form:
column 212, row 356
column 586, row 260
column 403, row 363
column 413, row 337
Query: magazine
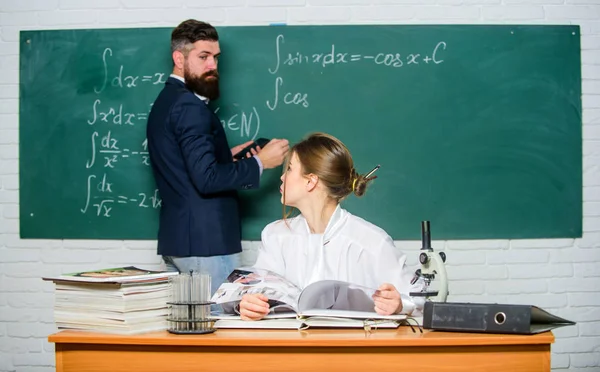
column 126, row 274
column 325, row 299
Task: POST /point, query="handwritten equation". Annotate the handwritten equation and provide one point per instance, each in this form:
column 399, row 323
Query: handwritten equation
column 126, row 81
column 111, row 147
column 333, row 57
column 246, row 124
column 110, row 144
column 283, row 95
column 102, row 205
column 115, row 115
column 108, row 147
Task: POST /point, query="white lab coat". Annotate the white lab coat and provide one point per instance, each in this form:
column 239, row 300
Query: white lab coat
column 351, row 249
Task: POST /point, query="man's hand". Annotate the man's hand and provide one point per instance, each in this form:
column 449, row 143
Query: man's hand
column 254, row 307
column 273, row 154
column 236, row 149
column 387, row 300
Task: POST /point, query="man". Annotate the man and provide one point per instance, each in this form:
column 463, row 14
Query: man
column 193, row 165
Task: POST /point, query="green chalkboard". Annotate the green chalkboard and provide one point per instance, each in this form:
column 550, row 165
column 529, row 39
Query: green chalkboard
column 476, row 128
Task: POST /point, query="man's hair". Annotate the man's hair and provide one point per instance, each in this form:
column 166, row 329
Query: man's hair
column 190, row 31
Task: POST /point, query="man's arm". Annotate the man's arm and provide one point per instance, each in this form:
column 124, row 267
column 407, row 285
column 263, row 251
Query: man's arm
column 193, row 131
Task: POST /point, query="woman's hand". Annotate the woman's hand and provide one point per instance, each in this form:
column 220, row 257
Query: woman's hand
column 254, row 307
column 387, row 300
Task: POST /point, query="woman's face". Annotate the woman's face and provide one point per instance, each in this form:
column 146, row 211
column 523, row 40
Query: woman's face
column 293, row 182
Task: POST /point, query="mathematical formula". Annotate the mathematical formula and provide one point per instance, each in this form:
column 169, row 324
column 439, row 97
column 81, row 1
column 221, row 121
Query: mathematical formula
column 336, row 57
column 108, row 147
column 107, row 152
column 116, row 115
column 102, row 205
column 122, row 80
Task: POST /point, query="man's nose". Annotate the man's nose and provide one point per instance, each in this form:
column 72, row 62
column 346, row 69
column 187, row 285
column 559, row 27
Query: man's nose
column 211, row 63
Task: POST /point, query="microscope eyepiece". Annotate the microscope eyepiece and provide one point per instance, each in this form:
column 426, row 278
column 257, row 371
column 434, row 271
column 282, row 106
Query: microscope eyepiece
column 425, row 236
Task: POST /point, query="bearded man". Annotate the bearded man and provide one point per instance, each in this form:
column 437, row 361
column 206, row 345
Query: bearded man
column 193, row 165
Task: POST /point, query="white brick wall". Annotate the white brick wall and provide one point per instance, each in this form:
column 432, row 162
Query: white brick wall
column 562, row 275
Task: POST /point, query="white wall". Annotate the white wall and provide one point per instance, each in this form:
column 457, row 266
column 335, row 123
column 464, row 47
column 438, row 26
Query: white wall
column 560, row 275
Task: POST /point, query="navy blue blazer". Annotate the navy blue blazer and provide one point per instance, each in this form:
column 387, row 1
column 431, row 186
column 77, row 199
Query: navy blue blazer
column 196, row 176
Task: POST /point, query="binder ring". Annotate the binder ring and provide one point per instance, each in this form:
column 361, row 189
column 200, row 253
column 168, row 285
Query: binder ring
column 500, row 318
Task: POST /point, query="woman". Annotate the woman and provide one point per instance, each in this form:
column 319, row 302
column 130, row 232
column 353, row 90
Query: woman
column 325, row 241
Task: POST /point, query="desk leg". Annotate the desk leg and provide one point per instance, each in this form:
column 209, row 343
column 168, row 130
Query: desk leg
column 59, row 353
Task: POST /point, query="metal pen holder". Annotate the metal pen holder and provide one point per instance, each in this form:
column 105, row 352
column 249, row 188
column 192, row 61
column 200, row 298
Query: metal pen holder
column 190, row 304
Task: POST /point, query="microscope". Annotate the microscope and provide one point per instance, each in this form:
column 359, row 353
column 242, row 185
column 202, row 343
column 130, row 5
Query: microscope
column 432, row 265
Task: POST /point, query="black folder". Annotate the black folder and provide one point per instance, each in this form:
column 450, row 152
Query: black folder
column 489, row 318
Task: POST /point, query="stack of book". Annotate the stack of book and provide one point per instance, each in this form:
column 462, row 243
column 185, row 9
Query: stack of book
column 124, row 300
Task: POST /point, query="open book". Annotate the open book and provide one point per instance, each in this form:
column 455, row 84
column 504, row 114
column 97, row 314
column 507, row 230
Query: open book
column 327, row 303
column 292, row 321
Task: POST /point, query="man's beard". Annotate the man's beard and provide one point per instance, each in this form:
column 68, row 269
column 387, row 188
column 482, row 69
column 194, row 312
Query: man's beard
column 208, row 88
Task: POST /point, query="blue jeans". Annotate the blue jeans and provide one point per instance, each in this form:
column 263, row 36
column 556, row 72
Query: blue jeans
column 218, row 267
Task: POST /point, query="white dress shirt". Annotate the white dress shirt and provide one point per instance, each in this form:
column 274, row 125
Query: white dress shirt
column 351, row 249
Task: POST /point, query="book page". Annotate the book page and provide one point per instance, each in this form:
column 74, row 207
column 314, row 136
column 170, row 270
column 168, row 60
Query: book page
column 350, row 314
column 336, row 295
column 284, row 323
column 293, row 322
column 281, row 292
column 343, row 322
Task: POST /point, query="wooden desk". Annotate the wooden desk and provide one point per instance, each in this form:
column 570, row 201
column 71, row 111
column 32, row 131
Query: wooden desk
column 312, row 350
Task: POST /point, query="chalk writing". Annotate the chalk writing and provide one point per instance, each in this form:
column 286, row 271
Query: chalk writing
column 102, row 204
column 335, row 56
column 246, row 124
column 122, row 80
column 111, row 150
column 289, row 98
column 108, row 148
column 115, row 115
